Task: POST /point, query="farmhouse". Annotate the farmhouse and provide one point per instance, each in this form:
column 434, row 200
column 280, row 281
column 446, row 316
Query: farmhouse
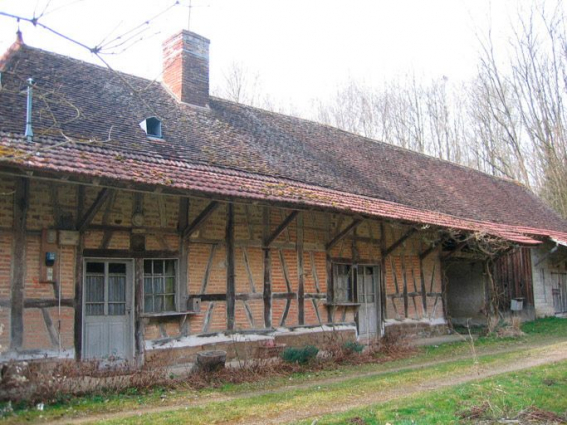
column 149, row 220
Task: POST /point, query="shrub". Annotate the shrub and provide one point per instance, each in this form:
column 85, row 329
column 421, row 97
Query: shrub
column 353, row 346
column 300, row 355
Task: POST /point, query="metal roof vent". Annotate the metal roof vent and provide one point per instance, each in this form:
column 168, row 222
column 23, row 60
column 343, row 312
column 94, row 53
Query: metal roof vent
column 152, row 127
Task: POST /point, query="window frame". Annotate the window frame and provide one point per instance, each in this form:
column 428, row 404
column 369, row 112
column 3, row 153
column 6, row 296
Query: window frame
column 176, row 302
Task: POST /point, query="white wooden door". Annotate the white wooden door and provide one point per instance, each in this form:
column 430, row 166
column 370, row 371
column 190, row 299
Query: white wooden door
column 107, row 310
column 367, row 280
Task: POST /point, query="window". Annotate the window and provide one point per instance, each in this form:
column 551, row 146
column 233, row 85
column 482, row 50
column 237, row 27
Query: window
column 105, row 293
column 355, row 283
column 160, row 282
column 344, row 283
column 152, row 127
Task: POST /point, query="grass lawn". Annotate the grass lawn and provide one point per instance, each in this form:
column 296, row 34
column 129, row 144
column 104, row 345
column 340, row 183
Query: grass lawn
column 328, row 387
column 503, row 397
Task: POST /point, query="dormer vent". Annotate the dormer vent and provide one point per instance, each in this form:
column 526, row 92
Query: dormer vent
column 152, row 127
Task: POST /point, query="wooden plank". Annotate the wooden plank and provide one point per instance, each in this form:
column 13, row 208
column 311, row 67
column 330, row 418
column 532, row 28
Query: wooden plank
column 400, row 241
column 317, row 296
column 230, row 269
column 249, row 222
column 249, row 314
column 285, row 270
column 78, row 319
column 248, row 270
column 314, row 272
column 138, row 310
column 18, row 272
column 107, row 236
column 208, row 316
column 86, row 219
column 53, row 337
column 285, row 312
column 284, row 295
column 300, row 272
column 267, row 272
column 47, row 303
column 269, row 238
column 337, row 238
column 200, row 219
column 208, row 269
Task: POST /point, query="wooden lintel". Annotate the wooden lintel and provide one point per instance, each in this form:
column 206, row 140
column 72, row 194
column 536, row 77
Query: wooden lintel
column 200, row 219
column 93, row 209
column 283, row 225
column 400, row 241
column 126, row 253
column 343, row 233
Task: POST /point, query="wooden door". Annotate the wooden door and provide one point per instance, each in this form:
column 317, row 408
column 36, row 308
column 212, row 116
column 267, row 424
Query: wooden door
column 107, row 310
column 368, row 297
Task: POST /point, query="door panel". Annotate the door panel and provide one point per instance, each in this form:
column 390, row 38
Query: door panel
column 368, row 278
column 107, row 312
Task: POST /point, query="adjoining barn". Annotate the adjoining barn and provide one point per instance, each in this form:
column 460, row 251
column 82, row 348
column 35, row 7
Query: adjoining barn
column 143, row 220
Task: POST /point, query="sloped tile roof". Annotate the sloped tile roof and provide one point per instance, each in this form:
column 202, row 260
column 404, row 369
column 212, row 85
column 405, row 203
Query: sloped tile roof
column 243, row 152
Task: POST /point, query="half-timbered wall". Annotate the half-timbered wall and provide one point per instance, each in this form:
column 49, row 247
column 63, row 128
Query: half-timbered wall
column 252, row 266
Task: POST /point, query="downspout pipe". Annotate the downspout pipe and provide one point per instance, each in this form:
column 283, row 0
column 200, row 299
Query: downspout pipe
column 29, row 129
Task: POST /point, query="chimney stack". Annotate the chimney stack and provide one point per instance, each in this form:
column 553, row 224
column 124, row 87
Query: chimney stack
column 186, row 67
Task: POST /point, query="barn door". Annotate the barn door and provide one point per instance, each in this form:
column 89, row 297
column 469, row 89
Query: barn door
column 107, row 310
column 368, row 297
column 559, row 292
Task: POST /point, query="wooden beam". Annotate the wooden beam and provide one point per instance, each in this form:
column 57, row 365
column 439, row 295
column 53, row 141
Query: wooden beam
column 423, row 255
column 101, row 198
column 400, row 241
column 78, row 318
column 53, row 337
column 138, row 310
column 21, row 207
column 279, row 230
column 230, row 270
column 342, row 234
column 47, row 303
column 183, row 215
column 200, row 219
column 300, row 273
column 454, row 251
column 267, row 292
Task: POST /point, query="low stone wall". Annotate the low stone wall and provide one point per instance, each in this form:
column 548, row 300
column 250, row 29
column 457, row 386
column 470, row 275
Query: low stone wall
column 415, row 329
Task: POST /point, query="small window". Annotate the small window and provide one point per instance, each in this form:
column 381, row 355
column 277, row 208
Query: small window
column 152, row 127
column 160, row 283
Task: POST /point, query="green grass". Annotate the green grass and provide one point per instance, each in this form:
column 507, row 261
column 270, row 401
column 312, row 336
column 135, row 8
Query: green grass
column 457, row 355
column 502, row 397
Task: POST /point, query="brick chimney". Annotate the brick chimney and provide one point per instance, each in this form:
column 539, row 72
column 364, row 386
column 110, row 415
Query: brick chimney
column 186, row 67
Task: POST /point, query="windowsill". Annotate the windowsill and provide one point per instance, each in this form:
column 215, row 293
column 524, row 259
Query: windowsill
column 169, row 314
column 342, row 304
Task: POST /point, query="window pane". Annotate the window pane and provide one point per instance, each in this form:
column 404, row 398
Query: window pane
column 116, row 288
column 158, row 304
column 158, row 285
column 170, row 267
column 117, row 268
column 149, row 304
column 169, row 303
column 169, row 285
column 95, row 288
column 148, row 266
column 116, row 309
column 95, row 268
column 95, row 309
column 148, row 288
column 158, row 266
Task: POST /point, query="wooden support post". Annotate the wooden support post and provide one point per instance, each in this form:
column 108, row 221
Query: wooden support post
column 400, row 241
column 138, row 305
column 230, row 272
column 423, row 288
column 78, row 329
column 86, row 219
column 283, row 225
column 342, row 234
column 182, row 223
column 21, row 206
column 200, row 219
column 330, row 289
column 267, row 271
column 300, row 275
column 382, row 278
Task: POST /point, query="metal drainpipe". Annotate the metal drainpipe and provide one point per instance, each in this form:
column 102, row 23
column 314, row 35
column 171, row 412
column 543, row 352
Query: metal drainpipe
column 29, row 129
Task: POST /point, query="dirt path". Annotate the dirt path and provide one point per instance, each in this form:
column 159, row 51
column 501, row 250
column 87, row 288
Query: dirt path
column 548, row 354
